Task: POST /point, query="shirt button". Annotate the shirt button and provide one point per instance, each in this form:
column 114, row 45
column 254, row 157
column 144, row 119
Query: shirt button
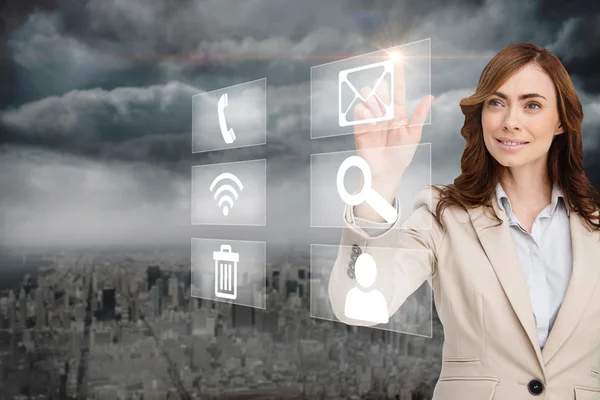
column 535, row 387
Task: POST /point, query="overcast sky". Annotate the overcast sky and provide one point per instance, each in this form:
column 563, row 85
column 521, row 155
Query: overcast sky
column 95, row 101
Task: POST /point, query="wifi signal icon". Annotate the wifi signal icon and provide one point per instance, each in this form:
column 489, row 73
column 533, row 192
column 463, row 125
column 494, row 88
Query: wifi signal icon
column 222, row 194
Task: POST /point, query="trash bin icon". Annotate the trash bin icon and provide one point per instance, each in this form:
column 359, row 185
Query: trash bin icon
column 226, row 272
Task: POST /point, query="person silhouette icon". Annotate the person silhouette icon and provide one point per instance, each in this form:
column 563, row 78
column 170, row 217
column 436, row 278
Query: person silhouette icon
column 361, row 303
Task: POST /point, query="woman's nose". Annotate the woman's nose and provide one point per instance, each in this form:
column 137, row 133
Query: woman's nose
column 511, row 121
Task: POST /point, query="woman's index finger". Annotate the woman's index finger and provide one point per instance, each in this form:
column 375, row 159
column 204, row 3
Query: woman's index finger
column 382, row 90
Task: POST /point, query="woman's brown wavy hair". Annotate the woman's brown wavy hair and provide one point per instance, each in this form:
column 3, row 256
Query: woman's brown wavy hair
column 475, row 186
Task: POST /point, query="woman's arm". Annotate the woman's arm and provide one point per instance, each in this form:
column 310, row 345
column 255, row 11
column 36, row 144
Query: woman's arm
column 404, row 257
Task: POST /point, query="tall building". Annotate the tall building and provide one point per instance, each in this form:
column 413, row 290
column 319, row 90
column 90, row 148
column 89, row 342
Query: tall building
column 163, row 286
column 174, row 290
column 291, row 287
column 155, row 298
column 276, row 280
column 40, row 308
column 12, row 343
column 108, row 302
column 125, row 286
column 4, row 306
column 12, row 314
column 153, row 273
column 243, row 316
column 94, row 301
column 117, row 278
column 177, row 297
column 23, row 308
column 134, row 314
column 66, row 316
column 94, row 282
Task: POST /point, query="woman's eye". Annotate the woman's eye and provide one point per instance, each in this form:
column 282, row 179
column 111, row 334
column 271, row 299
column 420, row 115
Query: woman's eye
column 494, row 102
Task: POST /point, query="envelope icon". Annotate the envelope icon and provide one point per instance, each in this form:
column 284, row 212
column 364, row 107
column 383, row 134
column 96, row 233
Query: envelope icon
column 346, row 109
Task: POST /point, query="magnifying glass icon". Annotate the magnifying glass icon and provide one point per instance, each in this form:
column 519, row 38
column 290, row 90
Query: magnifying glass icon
column 374, row 199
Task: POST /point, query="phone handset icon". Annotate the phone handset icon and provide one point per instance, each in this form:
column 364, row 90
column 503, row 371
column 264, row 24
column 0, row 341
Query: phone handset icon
column 228, row 134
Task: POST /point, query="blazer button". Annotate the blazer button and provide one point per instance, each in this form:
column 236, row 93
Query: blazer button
column 535, row 387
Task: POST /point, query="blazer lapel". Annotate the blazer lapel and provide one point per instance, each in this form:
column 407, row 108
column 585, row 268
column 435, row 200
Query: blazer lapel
column 584, row 277
column 498, row 245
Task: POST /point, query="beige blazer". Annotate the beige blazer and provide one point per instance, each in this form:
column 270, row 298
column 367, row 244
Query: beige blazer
column 491, row 350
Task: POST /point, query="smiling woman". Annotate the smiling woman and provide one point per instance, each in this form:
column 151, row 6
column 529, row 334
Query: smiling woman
column 524, row 95
column 512, row 330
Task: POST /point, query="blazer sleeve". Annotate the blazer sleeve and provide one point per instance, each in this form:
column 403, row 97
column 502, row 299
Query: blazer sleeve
column 404, row 257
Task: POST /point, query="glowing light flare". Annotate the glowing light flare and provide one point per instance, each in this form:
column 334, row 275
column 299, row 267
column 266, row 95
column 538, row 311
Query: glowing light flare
column 396, row 56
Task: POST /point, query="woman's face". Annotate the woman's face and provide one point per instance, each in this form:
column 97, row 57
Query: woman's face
column 523, row 109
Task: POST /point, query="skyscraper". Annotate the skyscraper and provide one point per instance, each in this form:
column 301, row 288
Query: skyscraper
column 4, row 306
column 276, row 280
column 174, row 290
column 242, row 316
column 108, row 302
column 153, row 273
column 163, row 286
column 155, row 298
column 135, row 309
column 66, row 316
column 40, row 308
column 23, row 308
column 12, row 315
column 94, row 282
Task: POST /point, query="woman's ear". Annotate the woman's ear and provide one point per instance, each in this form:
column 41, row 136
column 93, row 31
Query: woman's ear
column 559, row 130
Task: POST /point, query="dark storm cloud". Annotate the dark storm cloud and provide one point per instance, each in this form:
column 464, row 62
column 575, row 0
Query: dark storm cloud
column 131, row 124
column 103, row 43
column 557, row 10
column 151, row 124
column 115, row 42
column 12, row 15
column 98, row 141
column 97, row 115
column 100, row 41
column 55, row 199
column 580, row 48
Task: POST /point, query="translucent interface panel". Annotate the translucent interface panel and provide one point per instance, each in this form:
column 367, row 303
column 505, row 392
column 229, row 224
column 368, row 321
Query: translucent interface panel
column 229, row 193
column 231, row 271
column 336, row 181
column 384, row 288
column 397, row 78
column 235, row 116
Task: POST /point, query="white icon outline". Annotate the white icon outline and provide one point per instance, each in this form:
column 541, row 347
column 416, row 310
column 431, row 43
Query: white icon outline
column 194, row 134
column 228, row 134
column 316, row 131
column 320, row 271
column 363, row 302
column 374, row 199
column 253, row 255
column 388, row 68
column 225, row 188
column 226, row 262
column 198, row 208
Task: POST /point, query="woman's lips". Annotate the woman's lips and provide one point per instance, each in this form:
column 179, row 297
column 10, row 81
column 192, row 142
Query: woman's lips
column 511, row 147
